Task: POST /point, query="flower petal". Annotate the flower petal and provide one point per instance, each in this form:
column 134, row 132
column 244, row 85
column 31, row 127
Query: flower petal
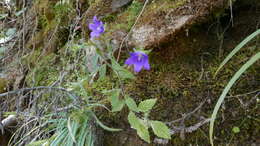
column 95, row 19
column 138, row 66
column 94, row 34
column 100, row 29
column 133, row 54
column 97, row 22
column 146, row 63
column 130, row 61
column 138, row 53
column 92, row 26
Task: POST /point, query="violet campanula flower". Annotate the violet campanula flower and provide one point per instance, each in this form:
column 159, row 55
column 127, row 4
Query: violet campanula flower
column 139, row 59
column 97, row 28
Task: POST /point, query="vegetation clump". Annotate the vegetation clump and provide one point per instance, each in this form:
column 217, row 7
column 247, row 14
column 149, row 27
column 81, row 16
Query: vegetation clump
column 74, row 81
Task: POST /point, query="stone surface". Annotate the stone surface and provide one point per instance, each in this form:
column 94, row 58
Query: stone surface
column 158, row 26
column 116, row 4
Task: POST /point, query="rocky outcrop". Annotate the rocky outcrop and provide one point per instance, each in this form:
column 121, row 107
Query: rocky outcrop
column 159, row 24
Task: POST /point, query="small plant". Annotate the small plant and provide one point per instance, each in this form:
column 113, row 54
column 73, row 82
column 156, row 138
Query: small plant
column 139, row 60
column 232, row 81
column 76, row 124
column 141, row 125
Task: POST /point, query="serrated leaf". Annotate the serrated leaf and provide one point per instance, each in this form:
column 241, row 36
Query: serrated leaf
column 133, row 120
column 122, row 72
column 131, row 104
column 160, row 129
column 116, row 103
column 139, row 126
column 143, row 133
column 146, row 105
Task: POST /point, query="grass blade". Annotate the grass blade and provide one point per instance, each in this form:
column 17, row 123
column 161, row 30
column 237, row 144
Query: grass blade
column 60, row 137
column 227, row 88
column 71, row 128
column 237, row 48
column 82, row 134
column 104, row 126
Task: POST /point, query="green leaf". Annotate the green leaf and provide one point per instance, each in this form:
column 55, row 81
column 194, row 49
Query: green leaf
column 10, row 32
column 122, row 72
column 137, row 124
column 102, row 71
column 104, row 126
column 225, row 91
column 146, row 105
column 116, row 103
column 20, row 12
column 71, row 128
column 83, row 132
column 39, row 143
column 236, row 129
column 60, row 137
column 6, row 39
column 160, row 129
column 237, row 48
column 2, row 16
column 2, row 50
column 144, row 133
column 133, row 120
column 131, row 104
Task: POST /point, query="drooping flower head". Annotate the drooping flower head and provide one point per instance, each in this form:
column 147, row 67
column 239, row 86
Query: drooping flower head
column 97, row 27
column 139, row 60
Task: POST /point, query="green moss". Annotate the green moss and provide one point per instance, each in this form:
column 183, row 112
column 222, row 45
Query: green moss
column 44, row 72
column 54, row 24
column 109, row 18
column 166, row 5
column 132, row 13
column 126, row 19
column 3, row 85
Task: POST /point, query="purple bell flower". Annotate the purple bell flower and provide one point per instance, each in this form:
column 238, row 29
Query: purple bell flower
column 139, row 60
column 97, row 28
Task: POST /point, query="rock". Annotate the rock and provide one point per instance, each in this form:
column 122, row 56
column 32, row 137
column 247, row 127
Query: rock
column 159, row 24
column 102, row 8
column 11, row 120
column 116, row 4
column 147, row 35
column 5, row 135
